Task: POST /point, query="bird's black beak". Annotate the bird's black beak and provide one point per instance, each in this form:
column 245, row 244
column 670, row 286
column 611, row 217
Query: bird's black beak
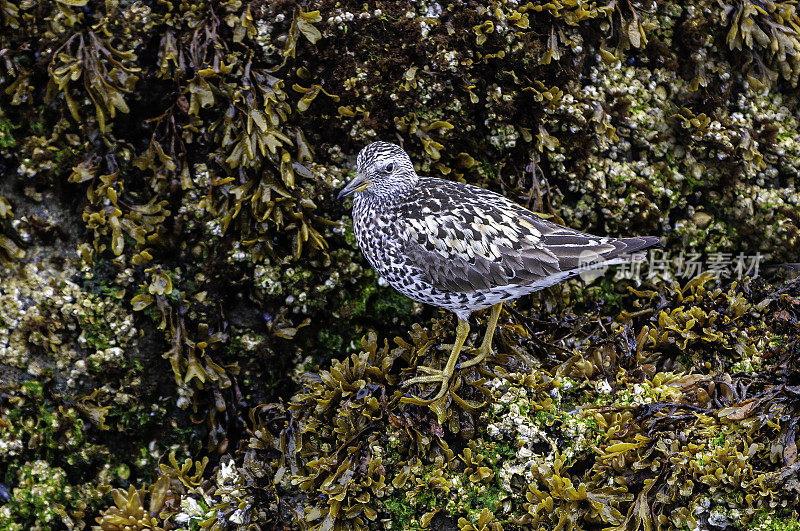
column 356, row 185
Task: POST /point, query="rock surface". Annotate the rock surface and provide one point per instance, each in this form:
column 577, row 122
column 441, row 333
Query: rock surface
column 190, row 338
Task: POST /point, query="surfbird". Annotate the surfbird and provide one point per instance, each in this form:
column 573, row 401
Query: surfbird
column 463, row 248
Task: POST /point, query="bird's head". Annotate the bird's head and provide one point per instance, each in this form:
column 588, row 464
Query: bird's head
column 382, row 169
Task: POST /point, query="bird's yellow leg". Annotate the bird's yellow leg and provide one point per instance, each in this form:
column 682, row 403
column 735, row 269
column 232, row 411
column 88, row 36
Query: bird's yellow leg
column 443, row 375
column 486, row 345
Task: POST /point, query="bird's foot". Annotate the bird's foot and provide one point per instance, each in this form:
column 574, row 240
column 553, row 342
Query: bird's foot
column 480, row 354
column 437, row 404
column 432, row 376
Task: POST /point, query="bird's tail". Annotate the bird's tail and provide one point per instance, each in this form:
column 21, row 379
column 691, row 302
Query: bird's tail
column 639, row 243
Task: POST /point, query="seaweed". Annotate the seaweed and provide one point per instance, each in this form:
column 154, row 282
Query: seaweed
column 175, row 266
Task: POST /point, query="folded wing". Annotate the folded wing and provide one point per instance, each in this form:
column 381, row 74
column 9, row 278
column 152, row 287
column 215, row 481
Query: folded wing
column 469, row 239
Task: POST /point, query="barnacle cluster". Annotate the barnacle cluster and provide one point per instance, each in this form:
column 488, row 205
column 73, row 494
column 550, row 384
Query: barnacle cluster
column 174, row 266
column 71, row 371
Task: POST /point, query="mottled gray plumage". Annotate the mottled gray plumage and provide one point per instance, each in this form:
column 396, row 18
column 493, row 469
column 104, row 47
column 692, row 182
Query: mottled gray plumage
column 461, row 247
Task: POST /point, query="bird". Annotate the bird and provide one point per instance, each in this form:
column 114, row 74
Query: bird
column 463, row 248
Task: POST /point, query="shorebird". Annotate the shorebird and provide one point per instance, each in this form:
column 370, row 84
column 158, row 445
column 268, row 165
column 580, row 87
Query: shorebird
column 463, row 248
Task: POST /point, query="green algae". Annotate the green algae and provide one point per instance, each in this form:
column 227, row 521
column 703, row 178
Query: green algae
column 770, row 522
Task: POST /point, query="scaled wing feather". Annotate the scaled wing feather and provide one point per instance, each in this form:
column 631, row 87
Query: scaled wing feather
column 467, row 239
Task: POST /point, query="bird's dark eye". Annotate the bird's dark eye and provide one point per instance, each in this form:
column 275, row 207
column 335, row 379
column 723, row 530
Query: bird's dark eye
column 390, row 167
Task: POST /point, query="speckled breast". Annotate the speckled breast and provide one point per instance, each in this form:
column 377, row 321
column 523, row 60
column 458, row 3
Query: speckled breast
column 376, row 233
